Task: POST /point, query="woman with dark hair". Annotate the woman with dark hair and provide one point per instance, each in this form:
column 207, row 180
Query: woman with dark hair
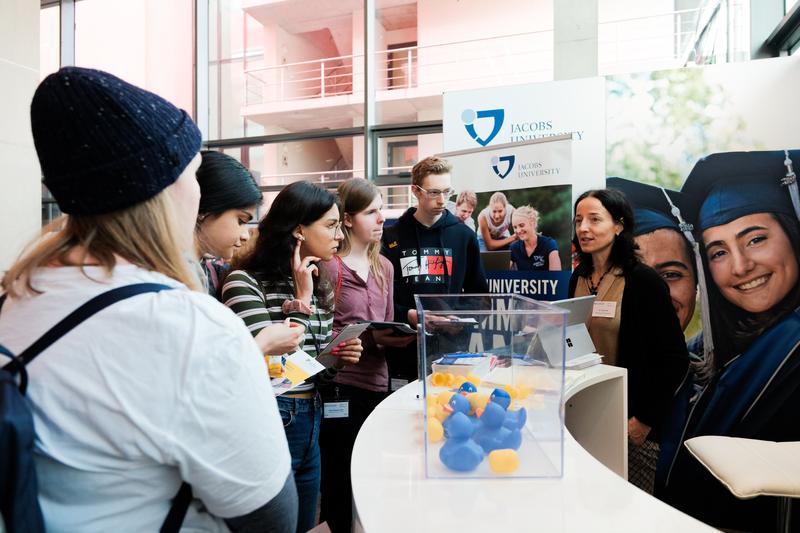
column 750, row 233
column 229, row 198
column 278, row 282
column 633, row 324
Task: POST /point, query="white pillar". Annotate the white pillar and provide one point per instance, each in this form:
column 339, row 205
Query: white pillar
column 574, row 39
column 20, row 177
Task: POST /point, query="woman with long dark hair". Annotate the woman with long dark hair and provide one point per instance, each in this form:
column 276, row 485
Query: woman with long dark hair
column 750, row 233
column 279, row 281
column 229, row 198
column 633, row 324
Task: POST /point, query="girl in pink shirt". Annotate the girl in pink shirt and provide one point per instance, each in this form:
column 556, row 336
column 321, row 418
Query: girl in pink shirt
column 363, row 279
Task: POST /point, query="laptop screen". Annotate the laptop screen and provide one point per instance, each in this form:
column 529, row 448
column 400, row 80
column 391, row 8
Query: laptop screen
column 580, row 308
column 498, row 260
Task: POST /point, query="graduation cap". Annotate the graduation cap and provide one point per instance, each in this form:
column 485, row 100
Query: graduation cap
column 652, row 205
column 658, row 208
column 725, row 186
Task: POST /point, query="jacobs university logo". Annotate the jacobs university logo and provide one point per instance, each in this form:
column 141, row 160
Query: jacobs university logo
column 497, row 161
column 469, row 116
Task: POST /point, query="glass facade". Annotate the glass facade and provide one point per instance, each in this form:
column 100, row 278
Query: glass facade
column 284, row 86
column 131, row 40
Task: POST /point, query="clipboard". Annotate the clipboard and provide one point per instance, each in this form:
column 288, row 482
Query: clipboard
column 351, row 331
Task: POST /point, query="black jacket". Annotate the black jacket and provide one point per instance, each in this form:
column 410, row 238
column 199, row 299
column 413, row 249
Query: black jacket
column 442, row 259
column 651, row 346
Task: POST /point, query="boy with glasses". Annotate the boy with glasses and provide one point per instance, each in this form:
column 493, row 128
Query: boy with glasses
column 432, row 253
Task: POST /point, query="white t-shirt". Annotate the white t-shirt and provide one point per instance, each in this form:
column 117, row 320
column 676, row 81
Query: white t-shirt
column 153, row 390
column 502, row 230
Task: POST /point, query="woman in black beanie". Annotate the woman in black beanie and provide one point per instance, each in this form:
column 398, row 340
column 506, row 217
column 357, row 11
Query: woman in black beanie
column 143, row 396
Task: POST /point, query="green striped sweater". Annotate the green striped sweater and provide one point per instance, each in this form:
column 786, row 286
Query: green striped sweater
column 260, row 304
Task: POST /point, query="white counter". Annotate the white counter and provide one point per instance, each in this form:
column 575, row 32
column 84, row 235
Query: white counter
column 392, row 494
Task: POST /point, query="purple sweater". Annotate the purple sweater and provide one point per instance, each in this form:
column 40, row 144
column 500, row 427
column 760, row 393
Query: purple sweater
column 359, row 301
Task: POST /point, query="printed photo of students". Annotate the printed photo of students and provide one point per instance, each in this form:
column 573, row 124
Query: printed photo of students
column 364, row 288
column 432, row 252
column 229, row 198
column 748, row 225
column 533, row 251
column 463, row 207
column 494, row 224
column 280, row 280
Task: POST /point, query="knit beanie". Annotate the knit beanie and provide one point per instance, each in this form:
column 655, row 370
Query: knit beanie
column 104, row 144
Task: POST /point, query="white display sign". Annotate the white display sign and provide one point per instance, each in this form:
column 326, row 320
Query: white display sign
column 501, row 115
column 506, row 167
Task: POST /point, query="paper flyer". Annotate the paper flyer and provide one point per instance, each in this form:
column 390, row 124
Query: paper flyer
column 296, row 368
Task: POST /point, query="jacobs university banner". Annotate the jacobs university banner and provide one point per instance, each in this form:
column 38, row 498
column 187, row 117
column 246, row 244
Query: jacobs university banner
column 524, row 193
column 502, row 128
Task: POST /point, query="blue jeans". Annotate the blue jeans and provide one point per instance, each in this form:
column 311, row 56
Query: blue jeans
column 301, row 420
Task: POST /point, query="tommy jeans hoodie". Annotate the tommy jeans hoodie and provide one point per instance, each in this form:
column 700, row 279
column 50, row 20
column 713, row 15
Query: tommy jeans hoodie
column 441, row 259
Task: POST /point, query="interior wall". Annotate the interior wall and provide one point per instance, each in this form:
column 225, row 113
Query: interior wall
column 20, row 178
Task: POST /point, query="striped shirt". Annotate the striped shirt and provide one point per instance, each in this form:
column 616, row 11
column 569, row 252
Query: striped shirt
column 260, row 304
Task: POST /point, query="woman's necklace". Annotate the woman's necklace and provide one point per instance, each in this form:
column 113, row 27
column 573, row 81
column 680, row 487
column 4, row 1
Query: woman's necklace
column 593, row 288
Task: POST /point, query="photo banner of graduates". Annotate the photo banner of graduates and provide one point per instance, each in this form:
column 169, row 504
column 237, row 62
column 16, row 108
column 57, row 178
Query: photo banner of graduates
column 708, row 159
column 521, row 195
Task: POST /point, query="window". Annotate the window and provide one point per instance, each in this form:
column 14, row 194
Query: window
column 149, row 44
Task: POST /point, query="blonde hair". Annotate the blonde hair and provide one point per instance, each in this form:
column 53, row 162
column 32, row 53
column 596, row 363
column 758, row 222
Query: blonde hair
column 426, row 167
column 355, row 196
column 143, row 234
column 467, row 197
column 527, row 212
column 498, row 198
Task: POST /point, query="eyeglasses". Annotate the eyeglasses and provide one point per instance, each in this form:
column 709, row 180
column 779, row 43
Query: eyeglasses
column 433, row 194
column 335, row 229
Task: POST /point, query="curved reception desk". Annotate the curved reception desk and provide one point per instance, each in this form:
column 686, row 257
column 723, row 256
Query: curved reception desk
column 392, row 494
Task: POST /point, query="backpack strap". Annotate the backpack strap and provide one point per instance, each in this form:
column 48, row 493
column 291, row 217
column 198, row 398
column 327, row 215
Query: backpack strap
column 180, row 504
column 177, row 512
column 212, row 274
column 95, row 305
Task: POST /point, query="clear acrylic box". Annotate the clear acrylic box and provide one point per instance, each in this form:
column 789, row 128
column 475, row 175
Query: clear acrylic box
column 503, row 355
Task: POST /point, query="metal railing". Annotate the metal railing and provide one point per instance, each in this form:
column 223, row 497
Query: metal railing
column 630, row 42
column 504, row 59
column 394, row 196
column 672, row 39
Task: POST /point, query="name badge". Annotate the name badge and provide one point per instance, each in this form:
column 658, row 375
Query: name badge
column 604, row 309
column 397, row 383
column 336, row 409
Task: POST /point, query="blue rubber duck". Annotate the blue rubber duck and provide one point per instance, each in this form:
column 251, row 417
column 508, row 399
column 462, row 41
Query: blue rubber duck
column 499, row 396
column 467, row 387
column 457, row 404
column 460, row 452
column 515, row 419
column 492, row 435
